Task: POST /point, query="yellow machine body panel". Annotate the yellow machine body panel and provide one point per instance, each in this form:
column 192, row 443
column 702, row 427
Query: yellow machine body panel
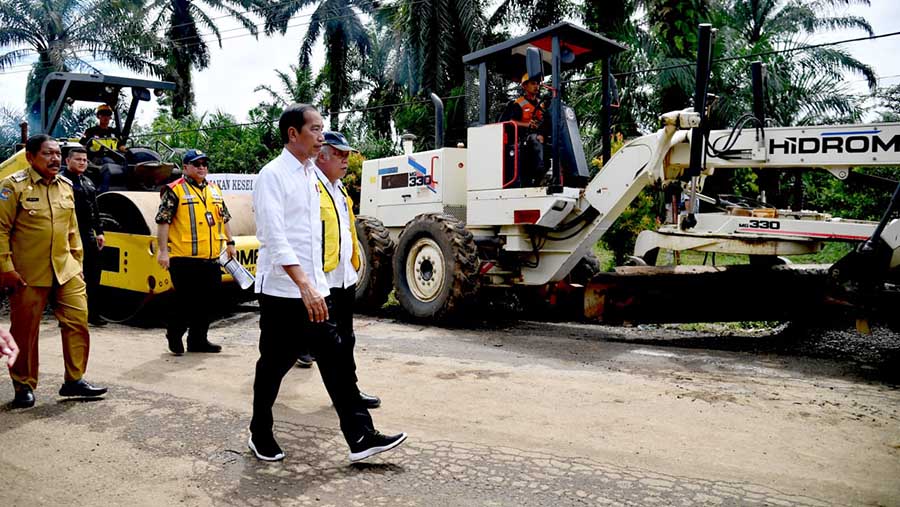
column 13, row 164
column 137, row 270
column 128, row 260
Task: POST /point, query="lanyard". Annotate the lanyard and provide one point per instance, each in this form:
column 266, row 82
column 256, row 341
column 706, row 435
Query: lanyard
column 199, row 195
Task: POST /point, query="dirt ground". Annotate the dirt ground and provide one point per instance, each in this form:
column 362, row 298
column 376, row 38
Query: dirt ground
column 513, row 413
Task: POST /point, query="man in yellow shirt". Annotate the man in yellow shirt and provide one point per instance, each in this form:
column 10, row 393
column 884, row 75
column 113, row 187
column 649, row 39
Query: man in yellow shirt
column 40, row 255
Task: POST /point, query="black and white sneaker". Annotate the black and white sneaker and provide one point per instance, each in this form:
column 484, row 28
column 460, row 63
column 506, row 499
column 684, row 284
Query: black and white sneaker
column 265, row 448
column 374, row 443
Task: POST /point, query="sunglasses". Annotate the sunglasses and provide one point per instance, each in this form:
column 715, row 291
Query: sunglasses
column 104, row 113
column 200, row 163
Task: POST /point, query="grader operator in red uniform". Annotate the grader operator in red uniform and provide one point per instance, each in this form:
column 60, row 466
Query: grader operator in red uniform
column 528, row 113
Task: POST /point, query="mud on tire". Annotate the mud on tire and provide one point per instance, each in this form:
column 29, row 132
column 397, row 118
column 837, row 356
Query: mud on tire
column 376, row 249
column 435, row 267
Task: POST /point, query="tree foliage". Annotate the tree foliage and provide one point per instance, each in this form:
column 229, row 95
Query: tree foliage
column 339, row 24
column 184, row 49
column 72, row 35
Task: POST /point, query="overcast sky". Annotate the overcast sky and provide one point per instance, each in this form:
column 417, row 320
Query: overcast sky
column 244, row 62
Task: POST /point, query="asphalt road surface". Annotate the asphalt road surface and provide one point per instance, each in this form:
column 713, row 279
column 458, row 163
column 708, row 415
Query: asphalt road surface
column 513, row 413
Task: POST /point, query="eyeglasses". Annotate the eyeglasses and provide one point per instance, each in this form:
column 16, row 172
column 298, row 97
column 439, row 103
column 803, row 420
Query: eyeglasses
column 200, row 163
column 104, row 113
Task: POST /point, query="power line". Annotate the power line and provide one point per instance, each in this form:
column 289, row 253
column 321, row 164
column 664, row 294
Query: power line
column 211, row 39
column 263, row 122
column 740, row 57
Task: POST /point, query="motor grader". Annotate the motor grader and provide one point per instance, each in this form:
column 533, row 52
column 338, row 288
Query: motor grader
column 442, row 227
column 130, row 276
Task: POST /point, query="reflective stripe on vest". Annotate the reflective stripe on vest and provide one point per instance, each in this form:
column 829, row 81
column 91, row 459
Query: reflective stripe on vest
column 194, row 246
column 529, row 110
column 190, row 235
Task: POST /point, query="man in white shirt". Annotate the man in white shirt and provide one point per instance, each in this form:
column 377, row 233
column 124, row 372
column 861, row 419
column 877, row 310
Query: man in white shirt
column 341, row 249
column 295, row 304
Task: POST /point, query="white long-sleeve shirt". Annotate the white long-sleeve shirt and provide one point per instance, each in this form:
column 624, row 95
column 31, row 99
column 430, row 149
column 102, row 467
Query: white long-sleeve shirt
column 288, row 226
column 344, row 275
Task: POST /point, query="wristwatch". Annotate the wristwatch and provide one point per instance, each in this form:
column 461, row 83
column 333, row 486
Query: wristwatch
column 230, row 242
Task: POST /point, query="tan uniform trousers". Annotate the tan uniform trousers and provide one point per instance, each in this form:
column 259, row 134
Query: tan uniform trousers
column 70, row 308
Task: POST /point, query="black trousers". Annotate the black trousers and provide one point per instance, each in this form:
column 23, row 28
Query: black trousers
column 284, row 332
column 532, row 169
column 344, row 300
column 196, row 283
column 91, row 269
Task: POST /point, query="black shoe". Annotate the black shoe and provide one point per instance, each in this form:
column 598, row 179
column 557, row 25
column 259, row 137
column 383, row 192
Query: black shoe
column 96, row 322
column 305, row 361
column 265, row 448
column 374, row 443
column 81, row 388
column 176, row 346
column 204, row 347
column 369, row 401
column 24, row 398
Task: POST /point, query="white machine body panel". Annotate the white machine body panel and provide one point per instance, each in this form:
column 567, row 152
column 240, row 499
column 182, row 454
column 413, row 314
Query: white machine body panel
column 397, row 189
column 830, row 146
column 485, row 157
column 499, row 207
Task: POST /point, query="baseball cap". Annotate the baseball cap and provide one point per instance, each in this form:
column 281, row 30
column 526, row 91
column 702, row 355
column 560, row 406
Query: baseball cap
column 193, row 155
column 337, row 140
column 104, row 109
column 526, row 78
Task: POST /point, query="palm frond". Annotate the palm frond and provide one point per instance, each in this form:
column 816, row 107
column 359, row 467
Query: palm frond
column 14, row 56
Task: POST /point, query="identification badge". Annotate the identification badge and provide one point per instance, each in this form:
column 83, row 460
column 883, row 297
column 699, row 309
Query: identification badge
column 209, row 219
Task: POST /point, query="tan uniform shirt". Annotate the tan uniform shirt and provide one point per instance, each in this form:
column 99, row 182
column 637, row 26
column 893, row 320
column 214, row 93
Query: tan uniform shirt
column 38, row 229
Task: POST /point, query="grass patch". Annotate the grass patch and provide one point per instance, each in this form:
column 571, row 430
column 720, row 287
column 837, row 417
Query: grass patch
column 831, row 253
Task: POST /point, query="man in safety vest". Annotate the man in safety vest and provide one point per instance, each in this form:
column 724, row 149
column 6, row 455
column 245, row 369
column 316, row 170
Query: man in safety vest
column 339, row 244
column 192, row 224
column 528, row 113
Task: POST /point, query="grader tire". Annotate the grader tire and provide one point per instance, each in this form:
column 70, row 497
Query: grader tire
column 436, row 267
column 376, row 250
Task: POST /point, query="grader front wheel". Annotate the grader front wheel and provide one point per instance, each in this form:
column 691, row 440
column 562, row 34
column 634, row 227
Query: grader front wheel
column 436, row 267
column 376, row 249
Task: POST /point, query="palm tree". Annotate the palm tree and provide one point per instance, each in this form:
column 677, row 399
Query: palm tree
column 434, row 36
column 379, row 71
column 806, row 85
column 68, row 35
column 534, row 14
column 185, row 46
column 296, row 86
column 342, row 30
